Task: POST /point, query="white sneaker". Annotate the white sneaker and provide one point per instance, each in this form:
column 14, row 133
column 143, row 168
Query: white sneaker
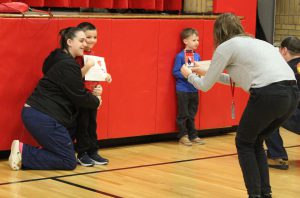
column 15, row 157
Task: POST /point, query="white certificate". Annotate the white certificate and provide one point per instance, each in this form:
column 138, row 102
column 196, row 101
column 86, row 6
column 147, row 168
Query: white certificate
column 204, row 64
column 98, row 72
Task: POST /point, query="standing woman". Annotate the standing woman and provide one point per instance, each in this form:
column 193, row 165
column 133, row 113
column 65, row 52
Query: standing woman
column 258, row 68
column 50, row 112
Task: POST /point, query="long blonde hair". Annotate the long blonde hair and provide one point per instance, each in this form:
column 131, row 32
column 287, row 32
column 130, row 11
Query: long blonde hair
column 226, row 27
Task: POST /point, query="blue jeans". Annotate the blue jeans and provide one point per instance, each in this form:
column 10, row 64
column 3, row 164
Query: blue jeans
column 275, row 146
column 274, row 141
column 57, row 150
column 268, row 107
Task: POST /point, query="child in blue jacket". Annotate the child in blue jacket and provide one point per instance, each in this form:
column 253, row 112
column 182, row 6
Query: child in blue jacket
column 187, row 94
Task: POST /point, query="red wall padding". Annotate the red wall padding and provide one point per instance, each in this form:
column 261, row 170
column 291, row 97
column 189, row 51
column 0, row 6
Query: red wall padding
column 57, row 3
column 135, row 77
column 173, row 5
column 79, row 3
column 22, row 56
column 141, row 98
column 120, row 4
column 116, row 4
column 142, row 4
column 101, row 3
column 139, row 54
column 159, row 5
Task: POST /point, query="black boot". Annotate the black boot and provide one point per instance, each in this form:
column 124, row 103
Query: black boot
column 255, row 196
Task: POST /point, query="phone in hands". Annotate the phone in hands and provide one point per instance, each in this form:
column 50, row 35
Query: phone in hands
column 189, row 58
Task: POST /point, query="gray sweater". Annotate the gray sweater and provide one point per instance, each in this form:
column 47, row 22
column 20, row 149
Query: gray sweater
column 251, row 63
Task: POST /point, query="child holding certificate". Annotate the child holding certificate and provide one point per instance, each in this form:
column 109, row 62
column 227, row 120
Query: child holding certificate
column 86, row 134
column 187, row 94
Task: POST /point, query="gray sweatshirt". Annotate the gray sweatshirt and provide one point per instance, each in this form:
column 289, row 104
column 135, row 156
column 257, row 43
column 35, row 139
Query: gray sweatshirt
column 251, row 63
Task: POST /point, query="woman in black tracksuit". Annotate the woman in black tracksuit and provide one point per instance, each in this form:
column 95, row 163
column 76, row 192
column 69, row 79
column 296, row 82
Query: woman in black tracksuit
column 50, row 112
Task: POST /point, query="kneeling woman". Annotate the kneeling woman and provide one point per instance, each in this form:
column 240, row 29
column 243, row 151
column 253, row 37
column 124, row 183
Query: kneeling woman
column 50, row 112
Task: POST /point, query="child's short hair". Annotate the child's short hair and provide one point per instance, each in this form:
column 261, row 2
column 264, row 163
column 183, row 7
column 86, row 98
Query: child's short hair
column 86, row 26
column 187, row 32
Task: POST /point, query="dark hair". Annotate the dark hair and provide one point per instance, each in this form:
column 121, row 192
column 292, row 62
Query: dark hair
column 86, row 26
column 292, row 43
column 187, row 32
column 67, row 33
column 226, row 27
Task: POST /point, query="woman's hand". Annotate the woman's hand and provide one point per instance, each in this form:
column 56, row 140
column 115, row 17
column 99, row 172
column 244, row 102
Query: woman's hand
column 199, row 70
column 185, row 71
column 97, row 91
column 108, row 78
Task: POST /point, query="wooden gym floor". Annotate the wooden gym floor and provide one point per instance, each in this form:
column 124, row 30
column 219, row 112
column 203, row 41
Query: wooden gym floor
column 156, row 170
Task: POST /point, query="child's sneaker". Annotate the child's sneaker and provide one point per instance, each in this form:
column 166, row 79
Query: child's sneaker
column 98, row 160
column 15, row 157
column 185, row 141
column 198, row 140
column 84, row 160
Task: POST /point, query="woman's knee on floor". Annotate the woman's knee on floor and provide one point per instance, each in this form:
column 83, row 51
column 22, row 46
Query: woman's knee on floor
column 70, row 163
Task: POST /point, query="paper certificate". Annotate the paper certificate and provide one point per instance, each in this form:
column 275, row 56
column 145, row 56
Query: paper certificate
column 98, row 72
column 204, row 64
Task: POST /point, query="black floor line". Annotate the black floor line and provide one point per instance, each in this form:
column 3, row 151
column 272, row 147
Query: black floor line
column 118, row 169
column 87, row 188
column 56, row 178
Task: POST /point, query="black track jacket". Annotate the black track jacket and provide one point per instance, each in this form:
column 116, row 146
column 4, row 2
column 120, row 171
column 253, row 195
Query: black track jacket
column 61, row 91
